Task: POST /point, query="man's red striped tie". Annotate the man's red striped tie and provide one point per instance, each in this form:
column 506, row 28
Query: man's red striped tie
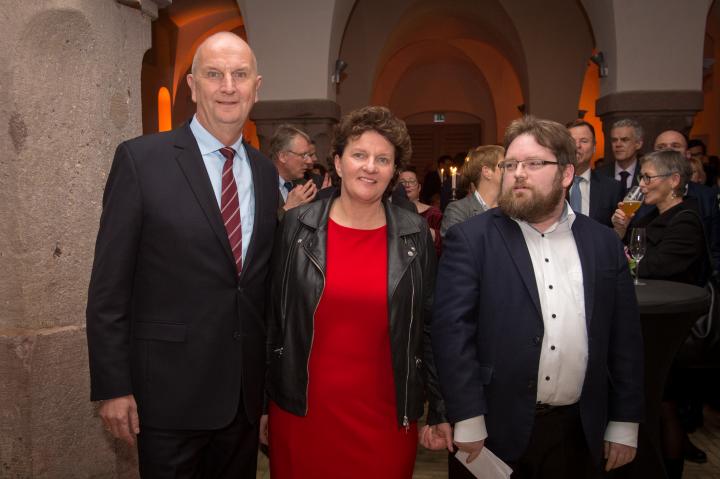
column 230, row 207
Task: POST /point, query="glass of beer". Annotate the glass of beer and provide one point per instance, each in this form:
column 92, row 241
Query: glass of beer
column 632, row 201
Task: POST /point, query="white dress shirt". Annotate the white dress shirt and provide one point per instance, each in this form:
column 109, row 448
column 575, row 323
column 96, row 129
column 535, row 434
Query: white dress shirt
column 209, row 147
column 563, row 358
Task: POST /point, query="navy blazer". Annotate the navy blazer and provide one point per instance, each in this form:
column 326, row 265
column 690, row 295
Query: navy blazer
column 168, row 318
column 605, row 194
column 487, row 331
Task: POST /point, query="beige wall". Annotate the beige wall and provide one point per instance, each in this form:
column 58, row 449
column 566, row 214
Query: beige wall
column 296, row 44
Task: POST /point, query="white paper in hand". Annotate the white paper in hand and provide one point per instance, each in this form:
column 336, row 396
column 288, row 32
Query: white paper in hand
column 486, row 466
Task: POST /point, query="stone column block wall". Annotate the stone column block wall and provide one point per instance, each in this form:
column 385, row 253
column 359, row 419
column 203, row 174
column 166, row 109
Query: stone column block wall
column 69, row 93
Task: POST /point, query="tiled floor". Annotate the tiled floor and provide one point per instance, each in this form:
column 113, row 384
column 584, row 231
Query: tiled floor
column 433, row 465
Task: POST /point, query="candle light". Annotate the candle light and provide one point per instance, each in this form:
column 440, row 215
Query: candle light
column 453, row 176
column 442, row 174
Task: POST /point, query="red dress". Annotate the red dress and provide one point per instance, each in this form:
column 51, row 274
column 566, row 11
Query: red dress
column 351, row 429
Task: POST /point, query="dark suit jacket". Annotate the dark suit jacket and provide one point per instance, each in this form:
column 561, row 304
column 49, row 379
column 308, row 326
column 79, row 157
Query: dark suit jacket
column 605, row 194
column 487, row 331
column 459, row 211
column 430, row 186
column 608, row 169
column 168, row 319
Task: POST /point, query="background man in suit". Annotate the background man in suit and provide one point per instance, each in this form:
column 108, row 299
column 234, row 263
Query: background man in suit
column 432, row 183
column 175, row 308
column 536, row 330
column 293, row 154
column 626, row 137
column 596, row 195
column 482, row 176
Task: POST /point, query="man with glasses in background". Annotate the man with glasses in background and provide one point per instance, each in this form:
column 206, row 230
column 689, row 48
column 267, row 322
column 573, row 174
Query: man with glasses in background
column 293, row 155
column 536, row 332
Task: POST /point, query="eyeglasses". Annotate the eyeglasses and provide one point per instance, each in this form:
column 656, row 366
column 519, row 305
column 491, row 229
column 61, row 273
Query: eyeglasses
column 305, row 156
column 532, row 165
column 408, row 182
column 648, row 178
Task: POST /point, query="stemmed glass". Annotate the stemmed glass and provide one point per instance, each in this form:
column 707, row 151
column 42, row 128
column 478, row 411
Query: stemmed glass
column 637, row 250
column 632, row 201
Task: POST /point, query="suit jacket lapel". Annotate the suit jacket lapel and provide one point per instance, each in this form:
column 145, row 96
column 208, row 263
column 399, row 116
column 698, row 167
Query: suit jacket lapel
column 585, row 247
column 190, row 161
column 515, row 243
column 259, row 205
column 595, row 191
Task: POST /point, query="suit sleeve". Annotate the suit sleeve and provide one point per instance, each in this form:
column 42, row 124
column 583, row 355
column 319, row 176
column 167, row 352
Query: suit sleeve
column 455, row 327
column 436, row 409
column 625, row 350
column 451, row 216
column 111, row 282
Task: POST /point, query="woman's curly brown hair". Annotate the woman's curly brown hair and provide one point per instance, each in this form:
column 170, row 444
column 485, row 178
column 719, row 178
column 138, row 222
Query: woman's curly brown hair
column 378, row 119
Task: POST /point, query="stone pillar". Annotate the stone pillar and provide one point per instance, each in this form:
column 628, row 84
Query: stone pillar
column 314, row 117
column 70, row 93
column 654, row 63
column 656, row 111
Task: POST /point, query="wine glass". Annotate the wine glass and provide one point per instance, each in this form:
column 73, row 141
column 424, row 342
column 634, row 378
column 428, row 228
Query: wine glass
column 632, row 201
column 637, row 250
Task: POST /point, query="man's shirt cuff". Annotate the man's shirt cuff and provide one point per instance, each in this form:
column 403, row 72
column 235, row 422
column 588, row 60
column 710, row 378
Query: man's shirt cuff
column 470, row 430
column 622, row 433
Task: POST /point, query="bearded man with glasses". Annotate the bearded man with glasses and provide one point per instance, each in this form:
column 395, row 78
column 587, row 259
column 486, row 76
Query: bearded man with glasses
column 536, row 330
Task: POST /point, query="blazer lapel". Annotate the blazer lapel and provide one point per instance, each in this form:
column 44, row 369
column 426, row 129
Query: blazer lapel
column 190, row 161
column 585, row 247
column 595, row 192
column 259, row 205
column 515, row 243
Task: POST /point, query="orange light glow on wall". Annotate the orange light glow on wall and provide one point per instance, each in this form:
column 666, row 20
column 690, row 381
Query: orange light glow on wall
column 164, row 110
column 250, row 134
column 588, row 97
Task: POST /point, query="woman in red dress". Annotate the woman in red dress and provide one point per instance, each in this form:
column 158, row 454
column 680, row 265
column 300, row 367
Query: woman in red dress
column 350, row 361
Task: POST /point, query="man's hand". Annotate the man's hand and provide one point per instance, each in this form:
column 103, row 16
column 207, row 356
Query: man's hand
column 436, row 437
column 300, row 195
column 120, row 417
column 618, row 455
column 264, row 430
column 472, row 448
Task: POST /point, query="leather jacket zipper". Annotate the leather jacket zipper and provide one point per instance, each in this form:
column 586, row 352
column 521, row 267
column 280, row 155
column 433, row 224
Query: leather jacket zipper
column 406, row 421
column 312, row 335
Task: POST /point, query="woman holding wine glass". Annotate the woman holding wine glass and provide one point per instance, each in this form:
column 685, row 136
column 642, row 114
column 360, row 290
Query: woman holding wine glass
column 675, row 243
column 675, row 251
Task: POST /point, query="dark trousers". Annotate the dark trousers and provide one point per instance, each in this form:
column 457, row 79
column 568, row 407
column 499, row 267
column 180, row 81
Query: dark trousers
column 183, row 454
column 557, row 450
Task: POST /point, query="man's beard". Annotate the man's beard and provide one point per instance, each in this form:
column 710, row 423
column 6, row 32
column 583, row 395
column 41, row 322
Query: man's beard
column 532, row 207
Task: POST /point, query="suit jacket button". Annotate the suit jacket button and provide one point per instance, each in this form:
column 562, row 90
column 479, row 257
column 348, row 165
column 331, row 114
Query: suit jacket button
column 236, row 335
column 240, row 289
column 537, row 340
column 531, row 385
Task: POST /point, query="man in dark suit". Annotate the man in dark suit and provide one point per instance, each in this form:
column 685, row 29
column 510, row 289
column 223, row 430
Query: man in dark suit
column 626, row 137
column 536, row 331
column 175, row 321
column 433, row 181
column 293, row 155
column 597, row 195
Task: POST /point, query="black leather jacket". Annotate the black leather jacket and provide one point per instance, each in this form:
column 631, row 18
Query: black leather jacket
column 298, row 279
